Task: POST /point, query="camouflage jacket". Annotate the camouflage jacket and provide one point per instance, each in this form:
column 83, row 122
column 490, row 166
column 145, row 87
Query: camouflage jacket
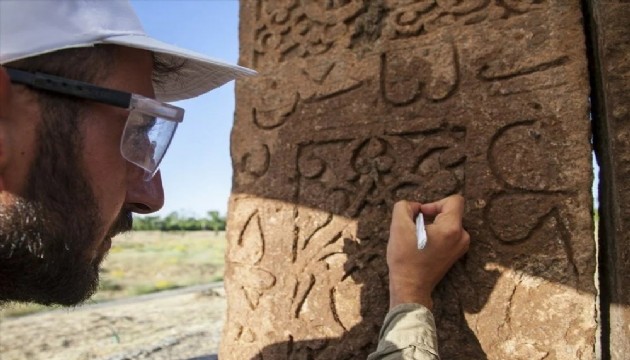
column 408, row 333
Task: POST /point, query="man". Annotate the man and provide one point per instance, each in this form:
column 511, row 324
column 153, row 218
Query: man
column 82, row 132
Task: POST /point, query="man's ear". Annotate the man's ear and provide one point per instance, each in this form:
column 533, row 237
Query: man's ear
column 5, row 108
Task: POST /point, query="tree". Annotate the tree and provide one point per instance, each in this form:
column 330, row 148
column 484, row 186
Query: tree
column 216, row 222
column 175, row 222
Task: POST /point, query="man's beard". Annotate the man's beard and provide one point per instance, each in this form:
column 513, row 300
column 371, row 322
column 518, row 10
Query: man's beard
column 49, row 247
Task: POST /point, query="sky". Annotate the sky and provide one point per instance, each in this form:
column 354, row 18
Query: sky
column 197, row 170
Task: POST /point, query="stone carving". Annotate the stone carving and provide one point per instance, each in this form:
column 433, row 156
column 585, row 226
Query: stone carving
column 362, row 103
column 323, row 264
column 254, row 163
column 377, row 170
column 327, row 78
column 410, row 18
column 430, row 72
column 533, row 196
column 526, row 146
column 287, row 29
column 274, row 109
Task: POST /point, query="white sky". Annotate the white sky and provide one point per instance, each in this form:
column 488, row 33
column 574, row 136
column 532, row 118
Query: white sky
column 197, row 170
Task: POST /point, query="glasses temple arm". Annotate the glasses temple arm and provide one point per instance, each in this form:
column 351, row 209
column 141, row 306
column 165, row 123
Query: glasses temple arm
column 70, row 87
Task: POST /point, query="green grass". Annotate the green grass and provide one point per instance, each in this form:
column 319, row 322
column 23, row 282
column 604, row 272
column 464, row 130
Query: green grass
column 16, row 310
column 144, row 262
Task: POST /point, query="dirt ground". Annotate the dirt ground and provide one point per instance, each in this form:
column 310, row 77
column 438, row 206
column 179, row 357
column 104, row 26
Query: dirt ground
column 179, row 324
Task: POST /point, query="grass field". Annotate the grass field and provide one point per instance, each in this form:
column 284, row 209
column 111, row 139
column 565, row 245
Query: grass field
column 143, row 262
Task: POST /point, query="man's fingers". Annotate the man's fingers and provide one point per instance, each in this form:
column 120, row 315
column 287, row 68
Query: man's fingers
column 447, row 226
column 408, row 208
column 453, row 204
column 402, row 228
column 465, row 241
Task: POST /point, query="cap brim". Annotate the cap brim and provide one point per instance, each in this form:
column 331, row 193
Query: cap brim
column 197, row 75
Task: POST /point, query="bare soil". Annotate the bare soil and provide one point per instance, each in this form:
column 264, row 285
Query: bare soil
column 179, row 324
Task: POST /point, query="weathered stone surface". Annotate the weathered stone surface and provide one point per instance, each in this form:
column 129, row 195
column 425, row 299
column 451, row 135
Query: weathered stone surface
column 361, row 103
column 611, row 28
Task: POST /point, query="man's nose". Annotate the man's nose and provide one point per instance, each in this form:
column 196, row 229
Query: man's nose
column 145, row 197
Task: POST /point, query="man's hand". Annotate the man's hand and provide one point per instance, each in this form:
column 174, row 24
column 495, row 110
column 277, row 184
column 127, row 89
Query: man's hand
column 413, row 273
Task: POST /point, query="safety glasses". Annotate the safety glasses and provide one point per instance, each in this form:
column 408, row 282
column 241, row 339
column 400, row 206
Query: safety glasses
column 150, row 126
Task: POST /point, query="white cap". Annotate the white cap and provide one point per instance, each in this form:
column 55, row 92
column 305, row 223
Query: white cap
column 34, row 27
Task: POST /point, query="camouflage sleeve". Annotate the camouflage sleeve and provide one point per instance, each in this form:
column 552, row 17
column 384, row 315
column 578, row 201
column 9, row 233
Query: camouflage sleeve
column 408, row 333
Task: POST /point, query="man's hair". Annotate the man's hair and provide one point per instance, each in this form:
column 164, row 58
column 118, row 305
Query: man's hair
column 89, row 64
column 60, row 129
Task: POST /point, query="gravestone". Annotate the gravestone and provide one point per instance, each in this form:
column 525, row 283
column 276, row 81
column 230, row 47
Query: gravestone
column 611, row 31
column 362, row 103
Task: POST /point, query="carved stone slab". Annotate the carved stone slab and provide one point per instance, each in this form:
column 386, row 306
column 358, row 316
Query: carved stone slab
column 612, row 36
column 362, row 103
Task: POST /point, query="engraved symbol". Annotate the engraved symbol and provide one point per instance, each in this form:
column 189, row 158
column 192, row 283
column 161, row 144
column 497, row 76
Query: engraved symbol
column 285, row 30
column 531, row 204
column 410, row 18
column 525, row 62
column 377, row 170
column 276, row 106
column 245, row 257
column 503, row 69
column 426, row 72
column 416, row 17
column 254, row 163
column 329, row 78
column 523, row 146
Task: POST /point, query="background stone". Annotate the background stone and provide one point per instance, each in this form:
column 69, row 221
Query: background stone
column 610, row 29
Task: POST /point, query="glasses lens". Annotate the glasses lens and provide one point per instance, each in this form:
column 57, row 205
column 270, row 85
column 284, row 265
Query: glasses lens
column 145, row 141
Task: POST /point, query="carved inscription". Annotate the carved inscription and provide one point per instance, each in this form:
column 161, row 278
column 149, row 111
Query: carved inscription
column 429, row 72
column 315, row 296
column 287, row 29
column 533, row 197
column 376, row 171
column 412, row 18
column 362, row 103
